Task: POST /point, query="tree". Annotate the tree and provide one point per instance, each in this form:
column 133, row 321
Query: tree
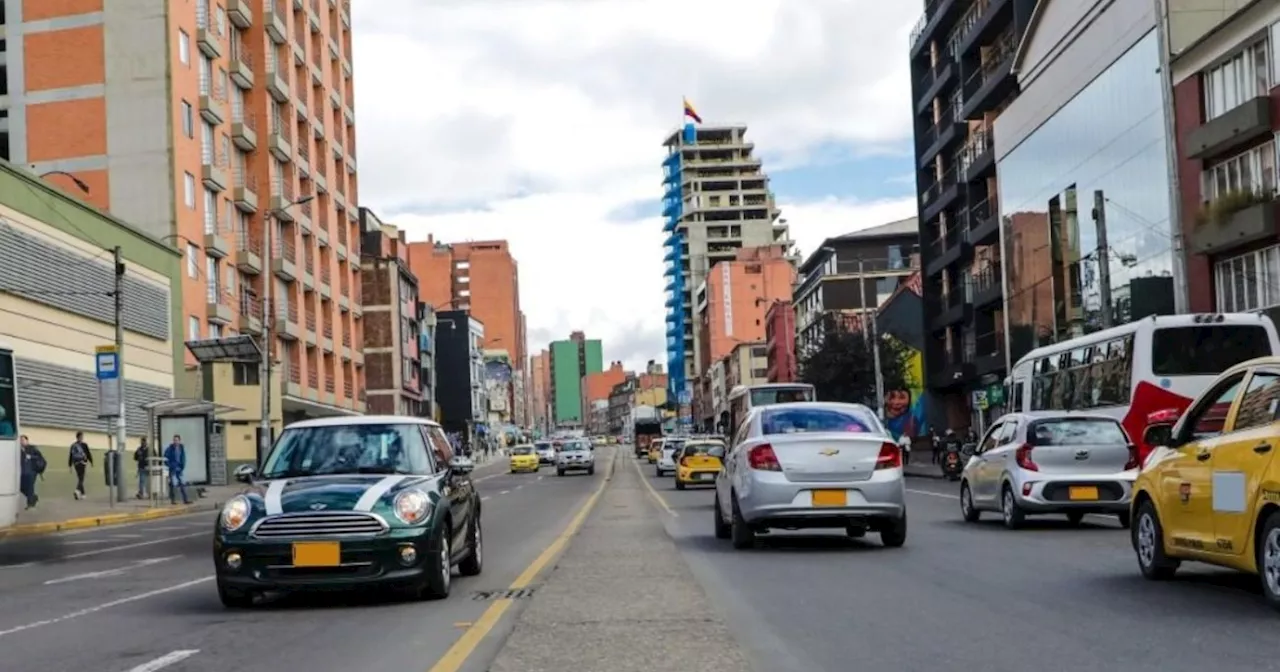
column 841, row 367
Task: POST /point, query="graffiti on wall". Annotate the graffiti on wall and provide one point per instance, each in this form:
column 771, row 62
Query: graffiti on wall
column 906, row 411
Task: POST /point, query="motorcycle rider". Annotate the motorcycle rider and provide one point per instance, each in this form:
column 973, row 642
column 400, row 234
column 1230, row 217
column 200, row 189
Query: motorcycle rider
column 950, row 444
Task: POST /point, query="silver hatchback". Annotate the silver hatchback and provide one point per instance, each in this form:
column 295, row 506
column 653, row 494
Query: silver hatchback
column 811, row 465
column 1060, row 463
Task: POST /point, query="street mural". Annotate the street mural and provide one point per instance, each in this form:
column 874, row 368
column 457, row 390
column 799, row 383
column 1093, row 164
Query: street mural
column 906, row 410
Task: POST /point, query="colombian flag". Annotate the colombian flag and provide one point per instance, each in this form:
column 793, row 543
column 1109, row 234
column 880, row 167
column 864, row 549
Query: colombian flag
column 690, row 112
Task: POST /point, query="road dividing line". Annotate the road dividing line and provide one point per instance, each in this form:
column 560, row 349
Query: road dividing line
column 165, row 661
column 104, row 606
column 652, row 491
column 125, row 547
column 110, row 572
column 457, row 655
column 933, row 494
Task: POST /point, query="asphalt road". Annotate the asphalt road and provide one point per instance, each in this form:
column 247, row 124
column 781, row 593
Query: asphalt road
column 967, row 596
column 140, row 598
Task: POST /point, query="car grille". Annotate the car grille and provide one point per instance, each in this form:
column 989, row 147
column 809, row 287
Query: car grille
column 319, row 525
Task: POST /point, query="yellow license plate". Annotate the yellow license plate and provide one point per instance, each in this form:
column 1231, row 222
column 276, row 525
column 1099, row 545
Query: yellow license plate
column 1083, row 493
column 317, row 554
column 830, row 498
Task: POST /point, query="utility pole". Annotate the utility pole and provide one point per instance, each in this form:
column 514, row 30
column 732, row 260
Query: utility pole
column 117, row 460
column 1181, row 290
column 264, row 367
column 1104, row 257
column 869, row 334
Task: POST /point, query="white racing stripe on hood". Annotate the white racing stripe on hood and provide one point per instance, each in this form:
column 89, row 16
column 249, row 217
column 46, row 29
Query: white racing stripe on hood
column 371, row 496
column 272, row 499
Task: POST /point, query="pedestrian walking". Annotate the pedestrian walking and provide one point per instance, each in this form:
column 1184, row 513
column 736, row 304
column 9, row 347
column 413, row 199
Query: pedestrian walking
column 79, row 459
column 33, row 466
column 175, row 457
column 140, row 456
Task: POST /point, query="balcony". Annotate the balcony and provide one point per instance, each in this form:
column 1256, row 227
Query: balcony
column 286, row 322
column 980, row 24
column 303, row 217
column 240, row 13
column 335, row 98
column 213, row 172
column 1239, row 126
column 206, row 33
column 277, row 81
column 313, row 16
column 988, row 357
column 932, row 82
column 250, row 321
column 993, row 81
column 938, row 17
column 213, row 101
column 248, row 253
column 281, row 200
column 300, row 100
column 275, row 20
column 216, row 241
column 988, row 286
column 945, row 133
column 218, row 304
column 1234, row 221
column 279, row 142
column 984, row 223
column 241, row 71
column 244, row 130
column 284, row 261
column 939, row 195
column 977, row 157
column 245, row 192
column 951, row 247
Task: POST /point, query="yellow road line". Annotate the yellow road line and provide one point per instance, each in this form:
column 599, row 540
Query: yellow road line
column 457, row 655
column 656, row 497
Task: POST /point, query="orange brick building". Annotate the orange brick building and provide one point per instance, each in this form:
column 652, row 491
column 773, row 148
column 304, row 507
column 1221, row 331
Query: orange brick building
column 200, row 122
column 597, row 386
column 732, row 304
column 540, row 389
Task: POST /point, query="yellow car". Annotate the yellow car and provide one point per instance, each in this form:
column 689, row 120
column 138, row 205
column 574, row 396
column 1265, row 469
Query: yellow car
column 655, row 450
column 524, row 459
column 1210, row 489
column 698, row 463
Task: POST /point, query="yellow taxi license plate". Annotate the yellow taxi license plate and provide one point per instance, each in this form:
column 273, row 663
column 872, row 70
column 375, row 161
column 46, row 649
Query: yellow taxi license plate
column 1083, row 493
column 830, row 498
column 317, row 554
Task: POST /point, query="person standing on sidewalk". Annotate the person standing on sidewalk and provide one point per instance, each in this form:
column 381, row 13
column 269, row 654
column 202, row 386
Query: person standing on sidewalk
column 33, row 465
column 175, row 457
column 140, row 456
column 79, row 458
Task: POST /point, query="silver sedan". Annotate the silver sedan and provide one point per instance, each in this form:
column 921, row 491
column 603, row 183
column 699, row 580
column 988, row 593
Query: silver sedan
column 811, row 465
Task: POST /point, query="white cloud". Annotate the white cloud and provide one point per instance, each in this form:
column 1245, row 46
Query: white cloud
column 532, row 120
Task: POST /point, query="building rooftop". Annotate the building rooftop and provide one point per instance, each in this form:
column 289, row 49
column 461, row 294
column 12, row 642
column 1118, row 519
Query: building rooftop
column 909, row 225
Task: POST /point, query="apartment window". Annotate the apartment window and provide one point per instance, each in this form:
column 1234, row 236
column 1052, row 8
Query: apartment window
column 188, row 120
column 464, row 292
column 464, row 279
column 215, row 331
column 193, row 328
column 244, row 374
column 462, row 265
column 193, row 261
column 210, row 211
column 1254, row 170
column 189, row 190
column 184, row 47
column 1241, row 78
column 1248, row 282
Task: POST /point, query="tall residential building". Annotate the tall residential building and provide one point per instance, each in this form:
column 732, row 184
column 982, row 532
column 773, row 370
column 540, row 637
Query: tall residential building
column 479, row 277
column 597, row 386
column 392, row 330
column 460, row 366
column 961, row 54
column 716, row 200
column 201, row 123
column 730, row 305
column 570, row 362
column 780, row 342
column 540, row 390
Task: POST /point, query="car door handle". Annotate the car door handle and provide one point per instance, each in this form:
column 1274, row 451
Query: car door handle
column 1203, row 457
column 1262, row 448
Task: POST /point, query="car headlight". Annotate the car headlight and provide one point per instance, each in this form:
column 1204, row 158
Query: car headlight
column 412, row 506
column 235, row 513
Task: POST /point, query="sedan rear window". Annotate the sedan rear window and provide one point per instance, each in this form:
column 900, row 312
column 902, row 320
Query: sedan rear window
column 709, row 449
column 522, row 450
column 1205, row 350
column 1076, row 432
column 805, row 420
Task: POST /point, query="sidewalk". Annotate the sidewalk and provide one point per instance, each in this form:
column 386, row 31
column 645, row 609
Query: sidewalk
column 58, row 510
column 621, row 599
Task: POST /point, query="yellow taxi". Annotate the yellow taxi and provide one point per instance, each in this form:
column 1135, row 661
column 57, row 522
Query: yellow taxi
column 698, row 463
column 655, row 450
column 1210, row 490
column 524, row 458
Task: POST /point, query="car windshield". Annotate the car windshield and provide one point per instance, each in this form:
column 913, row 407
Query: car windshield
column 543, row 446
column 522, row 450
column 1077, row 432
column 808, row 420
column 574, row 448
column 670, row 446
column 710, row 449
column 349, row 449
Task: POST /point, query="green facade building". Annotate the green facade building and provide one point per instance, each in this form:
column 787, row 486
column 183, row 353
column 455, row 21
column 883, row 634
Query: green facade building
column 571, row 360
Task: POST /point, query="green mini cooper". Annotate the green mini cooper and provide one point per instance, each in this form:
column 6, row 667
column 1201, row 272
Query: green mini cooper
column 350, row 502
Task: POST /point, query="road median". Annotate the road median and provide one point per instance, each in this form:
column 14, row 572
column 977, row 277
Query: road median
column 620, row 598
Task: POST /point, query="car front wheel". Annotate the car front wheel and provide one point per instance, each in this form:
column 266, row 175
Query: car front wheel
column 234, row 598
column 1148, row 543
column 473, row 564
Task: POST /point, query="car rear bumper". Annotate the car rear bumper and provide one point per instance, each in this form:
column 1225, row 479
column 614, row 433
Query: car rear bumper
column 769, row 498
column 1061, row 495
column 268, row 565
column 575, row 466
column 697, row 476
column 526, row 466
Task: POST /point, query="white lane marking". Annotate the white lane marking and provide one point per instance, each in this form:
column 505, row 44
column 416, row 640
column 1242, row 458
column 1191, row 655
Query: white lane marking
column 165, row 661
column 104, row 606
column 518, row 487
column 19, row 566
column 87, row 542
column 126, row 536
column 504, row 492
column 539, row 478
column 110, row 572
column 272, row 500
column 933, row 494
column 483, row 499
column 485, row 478
column 125, row 547
column 371, row 496
column 169, row 528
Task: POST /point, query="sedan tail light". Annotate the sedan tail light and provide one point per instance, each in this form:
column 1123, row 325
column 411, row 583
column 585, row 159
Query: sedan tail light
column 1133, row 462
column 1023, row 457
column 890, row 456
column 684, row 461
column 762, row 458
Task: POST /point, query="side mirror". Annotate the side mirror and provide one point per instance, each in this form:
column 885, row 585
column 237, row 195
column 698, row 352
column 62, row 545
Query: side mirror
column 1160, row 434
column 245, row 473
column 461, row 465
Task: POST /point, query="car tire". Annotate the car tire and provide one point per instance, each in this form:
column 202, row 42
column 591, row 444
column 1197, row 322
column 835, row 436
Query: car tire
column 894, row 535
column 1124, row 519
column 679, row 484
column 1267, row 556
column 968, row 511
column 234, row 598
column 1012, row 514
column 559, row 472
column 591, row 470
column 1148, row 545
column 439, row 579
column 739, row 531
column 1075, row 518
column 473, row 564
column 723, row 529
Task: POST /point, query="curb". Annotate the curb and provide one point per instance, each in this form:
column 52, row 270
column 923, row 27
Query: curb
column 36, row 529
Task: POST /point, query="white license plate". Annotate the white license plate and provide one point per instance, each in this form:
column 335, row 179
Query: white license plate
column 706, row 477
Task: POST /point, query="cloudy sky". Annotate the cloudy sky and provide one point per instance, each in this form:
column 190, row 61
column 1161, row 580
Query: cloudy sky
column 541, row 122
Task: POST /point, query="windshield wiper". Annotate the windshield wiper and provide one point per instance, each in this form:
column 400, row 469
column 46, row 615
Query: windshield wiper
column 293, row 473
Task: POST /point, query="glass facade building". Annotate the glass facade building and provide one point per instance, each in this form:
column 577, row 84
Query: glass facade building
column 1098, row 164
